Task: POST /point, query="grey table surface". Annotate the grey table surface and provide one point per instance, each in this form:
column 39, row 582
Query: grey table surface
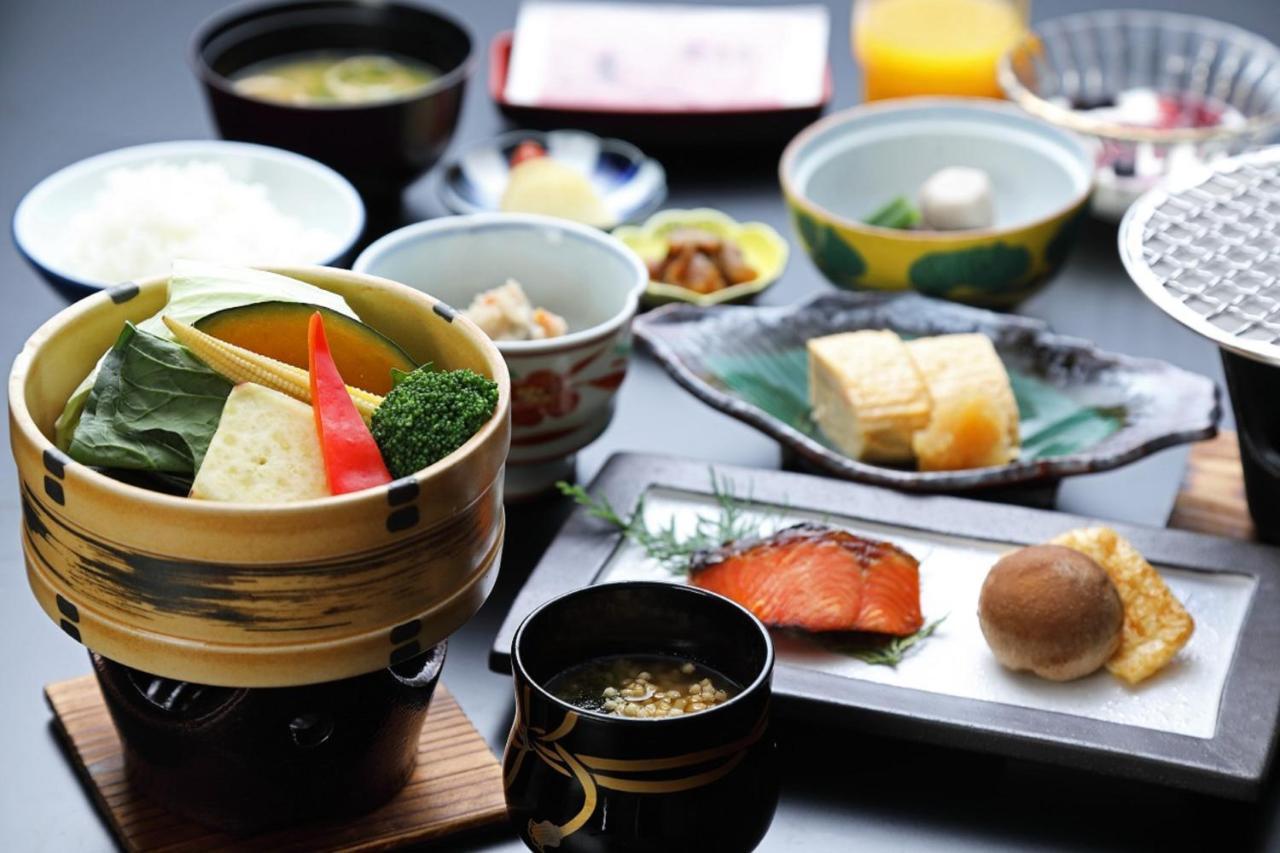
column 78, row 77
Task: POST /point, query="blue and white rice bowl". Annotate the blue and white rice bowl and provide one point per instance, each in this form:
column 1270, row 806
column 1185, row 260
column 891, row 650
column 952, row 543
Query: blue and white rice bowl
column 312, row 194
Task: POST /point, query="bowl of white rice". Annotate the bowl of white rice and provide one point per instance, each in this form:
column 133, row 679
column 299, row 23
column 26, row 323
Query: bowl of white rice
column 127, row 214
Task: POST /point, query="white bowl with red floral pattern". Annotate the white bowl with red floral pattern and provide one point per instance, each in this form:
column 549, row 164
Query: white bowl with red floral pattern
column 562, row 389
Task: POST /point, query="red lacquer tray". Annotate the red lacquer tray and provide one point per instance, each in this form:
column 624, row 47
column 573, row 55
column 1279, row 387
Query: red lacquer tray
column 735, row 126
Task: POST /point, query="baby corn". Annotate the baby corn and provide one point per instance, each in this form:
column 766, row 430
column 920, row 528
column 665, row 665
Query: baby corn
column 242, row 365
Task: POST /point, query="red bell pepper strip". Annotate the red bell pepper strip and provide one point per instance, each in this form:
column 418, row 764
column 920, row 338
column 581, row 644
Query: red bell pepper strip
column 527, row 150
column 351, row 458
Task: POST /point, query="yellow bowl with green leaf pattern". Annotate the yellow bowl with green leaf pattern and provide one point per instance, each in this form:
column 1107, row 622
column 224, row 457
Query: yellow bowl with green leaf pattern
column 763, row 248
column 840, row 170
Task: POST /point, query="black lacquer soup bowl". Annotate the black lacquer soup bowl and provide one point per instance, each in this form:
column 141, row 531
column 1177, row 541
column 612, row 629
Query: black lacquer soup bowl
column 582, row 780
column 380, row 146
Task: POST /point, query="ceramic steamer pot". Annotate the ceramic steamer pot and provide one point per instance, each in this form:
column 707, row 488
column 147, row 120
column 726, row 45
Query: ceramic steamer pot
column 340, row 606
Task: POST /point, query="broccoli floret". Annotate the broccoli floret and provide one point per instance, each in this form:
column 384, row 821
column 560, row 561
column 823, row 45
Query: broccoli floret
column 429, row 414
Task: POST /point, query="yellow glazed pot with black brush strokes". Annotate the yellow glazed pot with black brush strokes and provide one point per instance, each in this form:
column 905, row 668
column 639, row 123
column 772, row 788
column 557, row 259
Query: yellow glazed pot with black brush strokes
column 251, row 595
column 339, row 606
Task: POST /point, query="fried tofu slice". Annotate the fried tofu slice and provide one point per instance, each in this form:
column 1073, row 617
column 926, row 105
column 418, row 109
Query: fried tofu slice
column 867, row 394
column 1156, row 625
column 974, row 423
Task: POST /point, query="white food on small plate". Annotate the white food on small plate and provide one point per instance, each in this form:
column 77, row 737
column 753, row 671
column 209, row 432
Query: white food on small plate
column 547, row 186
column 146, row 216
column 506, row 314
column 957, row 198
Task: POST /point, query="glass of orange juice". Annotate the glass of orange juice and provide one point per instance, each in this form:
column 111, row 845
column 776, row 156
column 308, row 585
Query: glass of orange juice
column 934, row 47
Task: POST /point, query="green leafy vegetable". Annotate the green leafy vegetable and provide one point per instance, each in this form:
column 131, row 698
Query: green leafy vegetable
column 153, row 407
column 899, row 213
column 398, row 375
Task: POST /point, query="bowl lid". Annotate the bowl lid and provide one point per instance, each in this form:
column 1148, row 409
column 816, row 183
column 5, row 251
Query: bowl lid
column 1206, row 249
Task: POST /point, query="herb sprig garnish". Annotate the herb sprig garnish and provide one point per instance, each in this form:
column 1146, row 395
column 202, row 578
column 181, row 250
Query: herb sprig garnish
column 878, row 652
column 733, row 521
column 674, row 551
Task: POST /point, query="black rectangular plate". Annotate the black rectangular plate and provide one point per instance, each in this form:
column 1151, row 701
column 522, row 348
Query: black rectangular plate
column 1232, row 763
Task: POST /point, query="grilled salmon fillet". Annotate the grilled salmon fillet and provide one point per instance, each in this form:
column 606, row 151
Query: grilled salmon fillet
column 817, row 578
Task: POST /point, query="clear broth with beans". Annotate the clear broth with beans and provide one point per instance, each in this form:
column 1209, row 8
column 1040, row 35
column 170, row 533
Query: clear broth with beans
column 643, row 686
column 334, row 78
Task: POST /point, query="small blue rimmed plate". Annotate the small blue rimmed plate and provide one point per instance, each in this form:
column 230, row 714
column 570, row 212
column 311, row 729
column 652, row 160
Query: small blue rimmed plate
column 299, row 187
column 631, row 184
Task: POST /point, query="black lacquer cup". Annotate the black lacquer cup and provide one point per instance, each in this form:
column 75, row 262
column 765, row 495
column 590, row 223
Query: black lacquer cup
column 246, row 760
column 579, row 780
column 380, row 147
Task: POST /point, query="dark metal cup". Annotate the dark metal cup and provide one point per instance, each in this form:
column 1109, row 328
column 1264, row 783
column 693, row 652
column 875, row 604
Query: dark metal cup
column 579, row 780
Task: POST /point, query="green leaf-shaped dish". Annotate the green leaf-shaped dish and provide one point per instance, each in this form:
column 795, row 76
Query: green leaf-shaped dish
column 762, row 247
column 1082, row 410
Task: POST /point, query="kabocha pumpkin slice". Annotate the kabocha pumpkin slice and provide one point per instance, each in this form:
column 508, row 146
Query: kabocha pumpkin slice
column 241, row 365
column 364, row 356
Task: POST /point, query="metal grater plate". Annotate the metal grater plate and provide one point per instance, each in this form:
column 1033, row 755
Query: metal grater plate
column 1206, row 249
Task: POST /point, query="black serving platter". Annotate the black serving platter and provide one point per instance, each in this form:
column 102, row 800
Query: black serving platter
column 1232, row 763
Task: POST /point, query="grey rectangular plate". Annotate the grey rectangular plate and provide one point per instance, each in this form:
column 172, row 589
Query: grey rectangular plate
column 1231, row 763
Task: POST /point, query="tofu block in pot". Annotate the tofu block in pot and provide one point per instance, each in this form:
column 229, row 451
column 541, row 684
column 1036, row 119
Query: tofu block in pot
column 265, row 450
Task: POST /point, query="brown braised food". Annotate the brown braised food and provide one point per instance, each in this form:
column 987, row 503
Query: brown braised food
column 700, row 261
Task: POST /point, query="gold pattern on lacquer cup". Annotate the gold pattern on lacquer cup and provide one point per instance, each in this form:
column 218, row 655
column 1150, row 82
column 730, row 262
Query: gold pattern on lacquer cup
column 613, row 774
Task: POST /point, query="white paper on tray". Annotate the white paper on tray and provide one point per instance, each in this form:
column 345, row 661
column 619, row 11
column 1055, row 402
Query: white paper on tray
column 667, row 57
column 1182, row 699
